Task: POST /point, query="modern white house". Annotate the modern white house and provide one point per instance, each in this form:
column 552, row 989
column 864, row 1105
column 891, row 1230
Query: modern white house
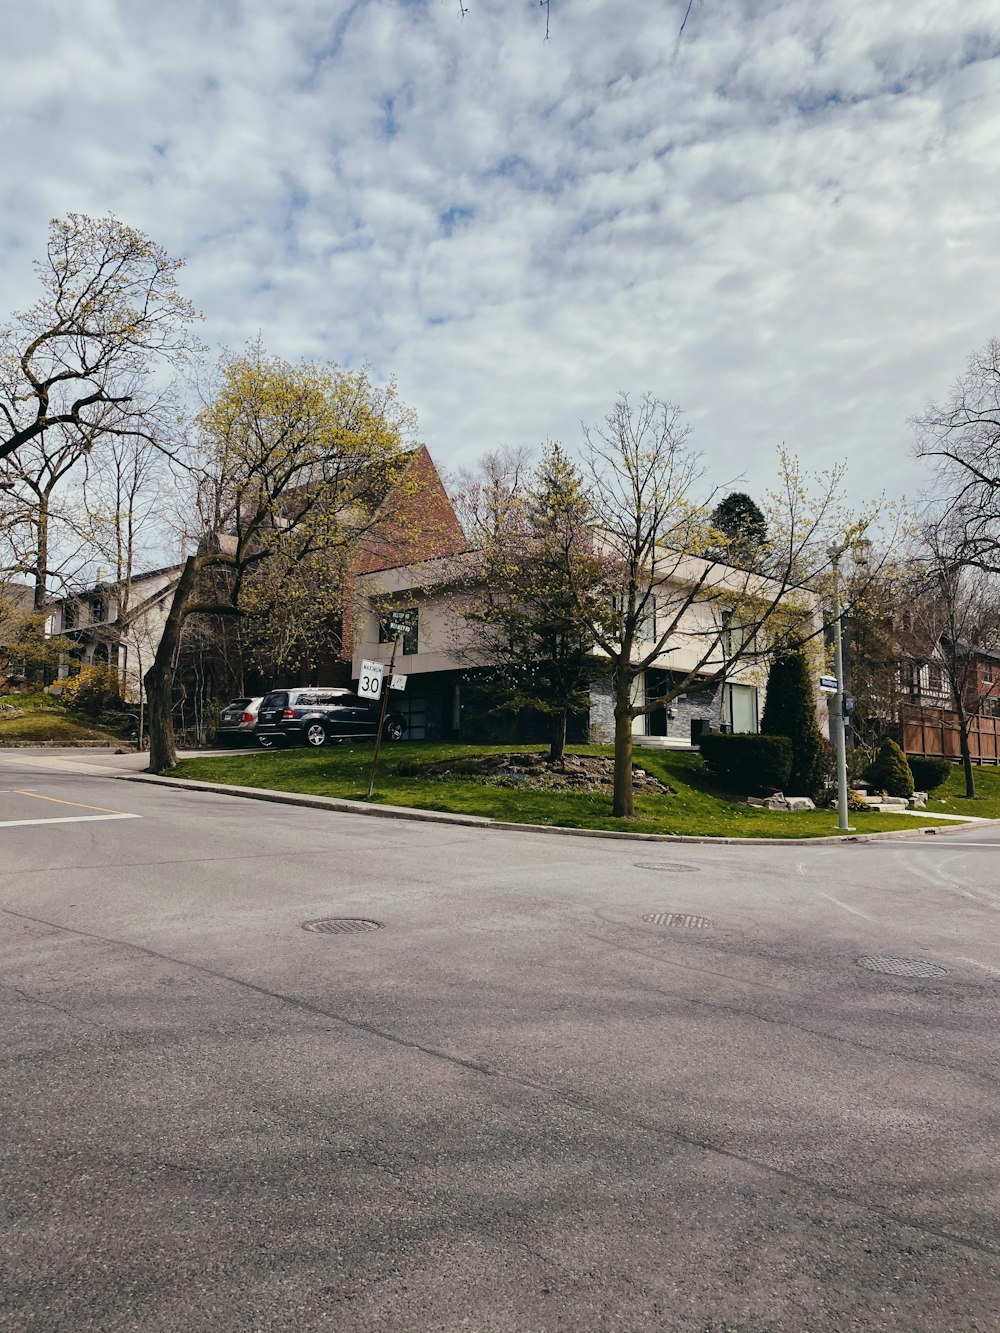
column 439, row 655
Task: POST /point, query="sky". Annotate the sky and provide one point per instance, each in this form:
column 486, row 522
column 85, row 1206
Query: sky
column 784, row 219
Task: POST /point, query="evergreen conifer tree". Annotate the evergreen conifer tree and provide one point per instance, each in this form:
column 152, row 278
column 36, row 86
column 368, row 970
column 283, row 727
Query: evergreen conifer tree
column 790, row 710
column 890, row 771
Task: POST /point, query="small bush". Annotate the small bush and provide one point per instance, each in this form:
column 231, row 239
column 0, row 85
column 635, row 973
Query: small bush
column 929, row 773
column 755, row 765
column 93, row 689
column 890, row 772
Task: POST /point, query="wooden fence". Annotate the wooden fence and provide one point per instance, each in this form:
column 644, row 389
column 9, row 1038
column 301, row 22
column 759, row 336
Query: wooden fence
column 934, row 732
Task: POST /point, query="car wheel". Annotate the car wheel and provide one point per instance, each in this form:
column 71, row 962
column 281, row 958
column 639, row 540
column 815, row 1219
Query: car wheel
column 315, row 735
column 394, row 731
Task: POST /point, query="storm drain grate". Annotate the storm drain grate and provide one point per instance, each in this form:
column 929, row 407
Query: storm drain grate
column 677, row 919
column 671, row 867
column 340, row 925
column 901, row 967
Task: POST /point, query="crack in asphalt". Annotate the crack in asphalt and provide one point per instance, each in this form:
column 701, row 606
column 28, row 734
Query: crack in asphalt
column 568, row 1097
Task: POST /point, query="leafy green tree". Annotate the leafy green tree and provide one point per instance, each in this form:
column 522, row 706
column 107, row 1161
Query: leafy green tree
column 287, row 461
column 790, row 710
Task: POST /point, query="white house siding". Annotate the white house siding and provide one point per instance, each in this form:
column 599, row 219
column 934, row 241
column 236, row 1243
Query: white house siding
column 446, row 652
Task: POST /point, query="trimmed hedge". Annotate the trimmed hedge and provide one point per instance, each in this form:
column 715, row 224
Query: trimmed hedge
column 757, row 765
column 890, row 772
column 929, row 773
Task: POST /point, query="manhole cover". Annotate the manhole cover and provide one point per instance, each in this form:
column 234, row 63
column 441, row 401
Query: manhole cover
column 901, row 967
column 677, row 919
column 671, row 867
column 340, row 925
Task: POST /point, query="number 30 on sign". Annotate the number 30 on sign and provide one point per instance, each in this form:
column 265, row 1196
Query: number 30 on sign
column 370, row 683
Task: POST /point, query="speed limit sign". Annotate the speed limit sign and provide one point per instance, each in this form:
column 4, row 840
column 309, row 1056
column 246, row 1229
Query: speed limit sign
column 370, row 683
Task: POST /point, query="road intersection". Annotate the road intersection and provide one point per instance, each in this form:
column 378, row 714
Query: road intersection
column 566, row 1084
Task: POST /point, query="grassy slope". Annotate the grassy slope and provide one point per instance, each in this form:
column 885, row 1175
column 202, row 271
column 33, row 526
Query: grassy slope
column 951, row 800
column 44, row 718
column 343, row 771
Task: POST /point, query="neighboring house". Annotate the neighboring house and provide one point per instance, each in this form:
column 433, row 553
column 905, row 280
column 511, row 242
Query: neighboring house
column 415, row 520
column 17, row 601
column 107, row 631
column 927, row 719
column 442, row 698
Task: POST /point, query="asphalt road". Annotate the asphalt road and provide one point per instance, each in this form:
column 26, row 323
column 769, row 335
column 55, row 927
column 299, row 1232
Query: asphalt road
column 518, row 1105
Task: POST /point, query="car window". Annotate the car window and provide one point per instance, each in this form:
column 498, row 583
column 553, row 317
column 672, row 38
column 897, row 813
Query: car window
column 237, row 703
column 276, row 700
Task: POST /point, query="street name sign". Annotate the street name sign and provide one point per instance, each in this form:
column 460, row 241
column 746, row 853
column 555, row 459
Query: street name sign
column 828, row 683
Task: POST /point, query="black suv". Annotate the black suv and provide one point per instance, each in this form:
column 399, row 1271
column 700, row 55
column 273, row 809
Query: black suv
column 315, row 716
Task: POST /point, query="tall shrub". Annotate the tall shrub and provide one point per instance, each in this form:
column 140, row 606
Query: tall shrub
column 790, row 710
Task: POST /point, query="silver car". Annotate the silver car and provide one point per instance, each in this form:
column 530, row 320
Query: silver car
column 237, row 721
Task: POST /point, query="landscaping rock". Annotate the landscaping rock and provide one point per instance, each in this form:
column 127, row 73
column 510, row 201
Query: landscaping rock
column 779, row 801
column 577, row 772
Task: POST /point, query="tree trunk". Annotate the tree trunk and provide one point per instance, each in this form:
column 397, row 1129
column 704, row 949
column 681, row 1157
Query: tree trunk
column 557, row 738
column 41, row 569
column 963, row 740
column 623, row 806
column 159, row 680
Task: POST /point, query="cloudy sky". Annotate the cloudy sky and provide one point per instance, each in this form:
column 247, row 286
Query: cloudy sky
column 786, row 221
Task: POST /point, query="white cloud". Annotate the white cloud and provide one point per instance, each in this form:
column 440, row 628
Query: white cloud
column 786, row 222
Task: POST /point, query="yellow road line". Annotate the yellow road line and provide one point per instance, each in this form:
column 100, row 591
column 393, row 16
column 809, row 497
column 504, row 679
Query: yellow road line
column 78, row 804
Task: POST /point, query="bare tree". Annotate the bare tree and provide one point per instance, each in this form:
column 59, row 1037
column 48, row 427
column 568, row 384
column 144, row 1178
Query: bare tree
column 109, row 317
column 43, row 530
column 960, row 438
column 667, row 601
column 956, row 606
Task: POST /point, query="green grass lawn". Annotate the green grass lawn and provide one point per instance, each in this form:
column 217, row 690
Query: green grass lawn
column 342, row 771
column 951, row 799
column 33, row 719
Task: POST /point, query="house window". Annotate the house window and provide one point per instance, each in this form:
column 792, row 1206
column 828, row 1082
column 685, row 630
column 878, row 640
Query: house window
column 987, row 671
column 98, row 610
column 934, row 679
column 69, row 615
column 647, row 626
column 400, row 622
column 741, row 707
column 915, row 679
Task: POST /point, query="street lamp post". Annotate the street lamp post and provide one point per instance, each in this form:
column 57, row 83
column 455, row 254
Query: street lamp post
column 839, row 720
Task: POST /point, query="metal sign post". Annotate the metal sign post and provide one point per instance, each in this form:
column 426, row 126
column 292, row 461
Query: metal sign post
column 381, row 717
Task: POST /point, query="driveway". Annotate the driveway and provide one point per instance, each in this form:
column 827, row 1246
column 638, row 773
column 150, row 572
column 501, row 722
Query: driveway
column 563, row 1084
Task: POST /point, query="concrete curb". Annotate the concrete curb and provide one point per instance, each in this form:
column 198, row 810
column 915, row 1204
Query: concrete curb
column 340, row 806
